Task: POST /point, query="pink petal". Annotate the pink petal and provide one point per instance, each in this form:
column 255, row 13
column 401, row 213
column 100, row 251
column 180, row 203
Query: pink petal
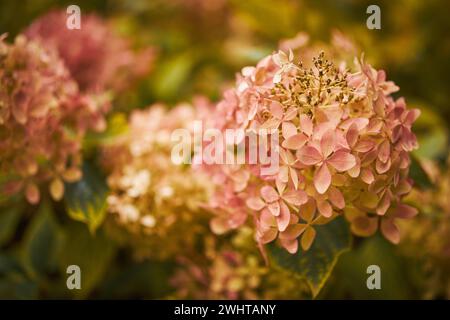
column 290, row 245
column 274, row 208
column 364, row 145
column 367, row 176
column 288, row 129
column 327, row 143
column 383, row 167
column 268, row 236
column 290, row 114
column 255, row 203
column 219, row 225
column 306, row 124
column 269, row 194
column 276, row 109
column 384, row 204
column 342, row 160
column 322, row 179
column 295, row 197
column 352, row 135
column 293, row 231
column 390, row 230
column 294, row 177
column 284, row 217
column 336, row 198
column 283, row 174
column 309, row 155
column 266, row 220
column 384, row 151
column 325, row 209
column 405, row 212
column 295, row 142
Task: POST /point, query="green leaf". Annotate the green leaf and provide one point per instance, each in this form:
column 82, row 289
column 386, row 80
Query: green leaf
column 117, row 127
column 14, row 282
column 9, row 219
column 418, row 174
column 93, row 253
column 41, row 242
column 350, row 276
column 86, row 199
column 316, row 264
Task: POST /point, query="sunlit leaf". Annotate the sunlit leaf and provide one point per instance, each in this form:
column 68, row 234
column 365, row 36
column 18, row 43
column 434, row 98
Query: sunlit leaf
column 86, row 199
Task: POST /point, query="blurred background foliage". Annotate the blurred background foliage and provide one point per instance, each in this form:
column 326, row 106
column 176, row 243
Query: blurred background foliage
column 200, row 45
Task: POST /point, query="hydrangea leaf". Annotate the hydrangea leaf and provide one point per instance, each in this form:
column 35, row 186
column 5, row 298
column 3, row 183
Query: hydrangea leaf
column 93, row 253
column 316, row 264
column 86, row 198
column 9, row 219
column 41, row 244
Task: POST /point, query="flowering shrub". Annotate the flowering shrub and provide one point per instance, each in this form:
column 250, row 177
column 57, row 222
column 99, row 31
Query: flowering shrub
column 96, row 57
column 344, row 150
column 151, row 198
column 43, row 118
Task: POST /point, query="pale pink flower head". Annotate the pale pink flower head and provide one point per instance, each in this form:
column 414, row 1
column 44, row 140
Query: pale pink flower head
column 344, row 150
column 96, row 57
column 43, row 118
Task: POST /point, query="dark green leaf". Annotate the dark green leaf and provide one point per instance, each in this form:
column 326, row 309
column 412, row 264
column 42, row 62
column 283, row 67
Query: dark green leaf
column 86, row 199
column 316, row 264
column 350, row 276
column 9, row 219
column 42, row 239
column 91, row 252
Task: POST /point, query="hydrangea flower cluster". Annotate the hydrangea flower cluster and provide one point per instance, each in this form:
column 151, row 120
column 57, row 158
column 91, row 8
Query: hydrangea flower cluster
column 96, row 57
column 43, row 118
column 427, row 237
column 151, row 199
column 232, row 270
column 344, row 150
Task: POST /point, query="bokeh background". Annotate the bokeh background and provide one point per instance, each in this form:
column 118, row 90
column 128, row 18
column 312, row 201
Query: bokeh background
column 199, row 46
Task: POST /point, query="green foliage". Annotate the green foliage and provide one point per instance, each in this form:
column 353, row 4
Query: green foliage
column 86, row 199
column 93, row 253
column 316, row 264
column 41, row 242
column 350, row 275
column 9, row 219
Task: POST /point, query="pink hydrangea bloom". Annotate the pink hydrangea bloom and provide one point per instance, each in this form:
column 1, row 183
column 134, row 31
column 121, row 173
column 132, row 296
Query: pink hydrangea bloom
column 43, row 118
column 96, row 57
column 344, row 150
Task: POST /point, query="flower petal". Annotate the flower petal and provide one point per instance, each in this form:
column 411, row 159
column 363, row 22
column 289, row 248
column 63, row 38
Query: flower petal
column 296, row 197
column 325, row 209
column 295, row 142
column 255, row 203
column 336, row 198
column 284, row 217
column 308, row 238
column 309, row 155
column 390, row 230
column 322, row 179
column 404, row 211
column 274, row 208
column 288, row 129
column 342, row 160
column 269, row 194
column 327, row 143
